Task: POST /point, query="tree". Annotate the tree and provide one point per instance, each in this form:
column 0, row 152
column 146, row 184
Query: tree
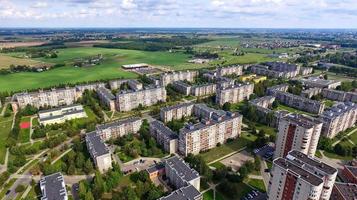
column 88, row 166
column 71, row 169
column 80, row 160
column 89, row 196
column 98, row 185
column 20, row 188
column 257, row 162
column 275, row 104
column 243, row 171
column 227, row 106
column 82, row 191
column 325, row 76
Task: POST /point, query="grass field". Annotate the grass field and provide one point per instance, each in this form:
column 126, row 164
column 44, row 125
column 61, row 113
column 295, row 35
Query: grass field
column 293, row 110
column 257, row 183
column 225, row 149
column 210, row 196
column 24, row 135
column 353, row 137
column 110, row 68
column 5, row 127
column 6, row 61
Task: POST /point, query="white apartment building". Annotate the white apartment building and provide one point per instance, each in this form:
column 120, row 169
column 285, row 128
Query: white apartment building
column 208, row 133
column 128, row 100
column 300, row 177
column 234, row 94
column 53, row 98
column 229, row 70
column 99, row 152
column 168, row 78
column 119, row 128
column 61, row 114
column 176, row 112
column 338, row 118
column 297, row 132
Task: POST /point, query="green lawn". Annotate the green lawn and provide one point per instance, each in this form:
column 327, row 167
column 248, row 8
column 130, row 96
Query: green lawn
column 335, row 156
column 210, row 196
column 217, row 165
column 353, row 137
column 5, row 127
column 257, row 183
column 110, row 68
column 24, row 135
column 7, row 187
column 318, row 154
column 290, row 109
column 227, row 148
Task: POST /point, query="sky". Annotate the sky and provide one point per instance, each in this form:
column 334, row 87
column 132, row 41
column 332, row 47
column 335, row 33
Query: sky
column 180, row 13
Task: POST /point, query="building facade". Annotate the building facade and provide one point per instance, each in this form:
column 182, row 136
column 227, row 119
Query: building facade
column 320, row 83
column 234, row 94
column 297, row 132
column 99, row 152
column 176, row 112
column 106, row 97
column 168, row 78
column 301, row 177
column 337, row 95
column 164, row 136
column 128, row 100
column 338, row 118
column 203, row 90
column 229, row 70
column 208, row 133
column 119, row 128
column 276, row 70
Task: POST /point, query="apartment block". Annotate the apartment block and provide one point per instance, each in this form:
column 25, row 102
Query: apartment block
column 338, row 118
column 168, row 78
column 53, row 187
column 164, row 136
column 299, row 102
column 224, row 82
column 115, row 84
column 337, row 95
column 311, row 92
column 344, row 191
column 128, row 100
column 300, row 177
column 61, row 114
column 182, row 87
column 234, row 94
column 276, row 70
column 91, row 86
column 135, row 85
column 119, row 128
column 183, row 178
column 297, row 132
column 194, row 138
column 229, row 70
column 52, row 98
column 176, row 112
column 180, row 174
column 106, row 97
column 320, row 83
column 306, row 70
column 281, row 88
column 202, row 111
column 203, row 90
column 98, row 151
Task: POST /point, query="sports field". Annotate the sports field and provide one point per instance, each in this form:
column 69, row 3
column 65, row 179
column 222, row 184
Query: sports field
column 6, row 61
column 110, row 68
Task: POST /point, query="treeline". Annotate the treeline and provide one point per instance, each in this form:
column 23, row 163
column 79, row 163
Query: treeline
column 344, row 70
column 26, row 68
column 348, row 59
column 154, row 44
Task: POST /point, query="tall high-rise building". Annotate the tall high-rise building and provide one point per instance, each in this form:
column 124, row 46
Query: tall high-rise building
column 299, row 132
column 300, row 177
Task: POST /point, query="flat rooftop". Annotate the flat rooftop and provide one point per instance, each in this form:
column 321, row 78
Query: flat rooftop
column 181, row 105
column 96, row 145
column 106, row 93
column 117, row 123
column 184, row 193
column 306, row 160
column 352, row 169
column 302, row 120
column 183, row 170
column 53, row 187
column 59, row 108
column 298, row 171
column 347, row 190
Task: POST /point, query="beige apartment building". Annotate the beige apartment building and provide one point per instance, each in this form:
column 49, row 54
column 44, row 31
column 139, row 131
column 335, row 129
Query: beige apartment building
column 234, row 94
column 128, row 100
column 106, row 97
column 229, row 70
column 297, row 132
column 168, row 78
column 52, row 98
column 205, row 135
column 203, row 90
column 176, row 112
column 119, row 128
column 98, row 151
column 300, row 177
column 164, row 136
column 337, row 95
column 338, row 118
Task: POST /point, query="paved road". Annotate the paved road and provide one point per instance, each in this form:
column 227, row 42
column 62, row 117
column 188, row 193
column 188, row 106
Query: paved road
column 4, row 166
column 135, row 165
column 265, row 175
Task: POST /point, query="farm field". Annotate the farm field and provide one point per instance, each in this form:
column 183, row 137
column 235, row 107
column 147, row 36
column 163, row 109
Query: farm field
column 6, row 61
column 109, row 69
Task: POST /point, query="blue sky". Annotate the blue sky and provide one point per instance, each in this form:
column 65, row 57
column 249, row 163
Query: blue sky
column 180, row 13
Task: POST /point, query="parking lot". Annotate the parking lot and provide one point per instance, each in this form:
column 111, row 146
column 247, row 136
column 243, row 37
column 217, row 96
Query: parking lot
column 237, row 160
column 265, row 152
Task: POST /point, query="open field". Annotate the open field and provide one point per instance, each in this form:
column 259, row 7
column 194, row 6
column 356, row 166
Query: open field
column 256, row 183
column 109, row 69
column 20, row 44
column 6, row 61
column 24, row 135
